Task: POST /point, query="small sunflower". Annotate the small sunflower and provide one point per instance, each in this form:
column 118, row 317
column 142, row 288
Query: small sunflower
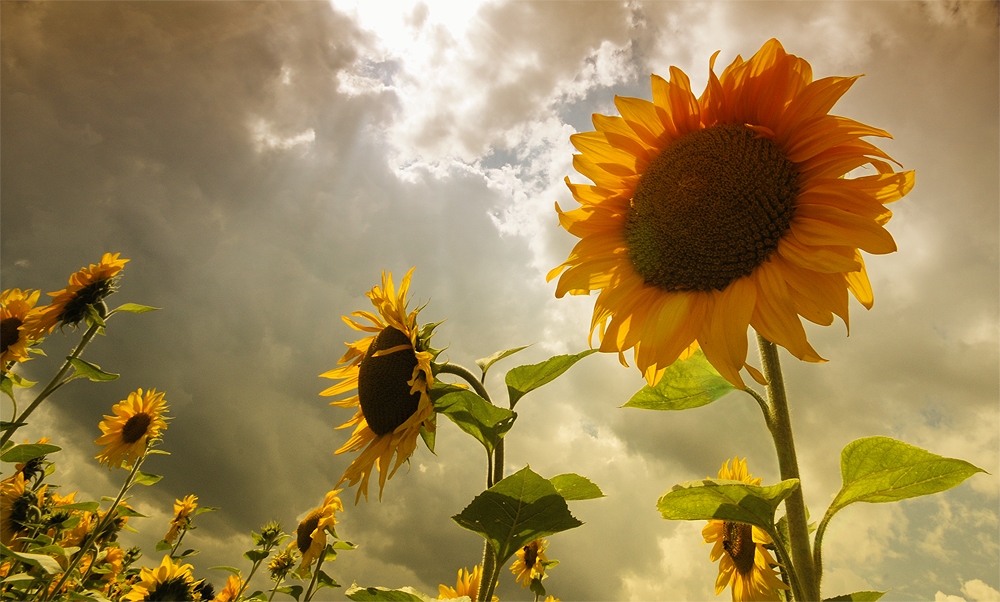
column 746, row 563
column 530, row 563
column 168, row 581
column 467, row 585
column 283, row 562
column 310, row 536
column 183, row 509
column 712, row 214
column 234, row 585
column 15, row 305
column 88, row 286
column 391, row 370
column 136, row 420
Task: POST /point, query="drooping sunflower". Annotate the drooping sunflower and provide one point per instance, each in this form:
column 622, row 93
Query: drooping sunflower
column 183, row 509
column 710, row 214
column 310, row 536
column 468, row 584
column 746, row 564
column 136, row 420
column 15, row 305
column 168, row 581
column 391, row 370
column 87, row 286
column 530, row 562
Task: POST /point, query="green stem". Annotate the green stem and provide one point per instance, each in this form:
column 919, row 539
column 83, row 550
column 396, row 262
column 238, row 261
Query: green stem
column 178, row 542
column 468, row 377
column 493, row 583
column 817, row 548
column 763, row 406
column 787, row 568
column 274, row 589
column 253, row 569
column 795, row 507
column 315, row 577
column 489, row 567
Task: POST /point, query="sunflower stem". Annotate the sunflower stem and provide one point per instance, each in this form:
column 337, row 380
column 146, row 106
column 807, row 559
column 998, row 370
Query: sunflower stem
column 795, row 507
column 487, row 593
column 312, row 583
column 468, row 377
column 763, row 407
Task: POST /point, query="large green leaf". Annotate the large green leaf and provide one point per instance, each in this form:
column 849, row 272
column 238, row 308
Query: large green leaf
column 524, row 379
column 485, row 363
column 147, row 479
column 880, row 469
column 866, row 596
column 689, row 383
column 515, row 511
column 724, row 499
column 574, row 487
column 476, row 416
column 28, row 451
column 46, row 563
column 84, row 369
column 133, row 308
column 406, row 594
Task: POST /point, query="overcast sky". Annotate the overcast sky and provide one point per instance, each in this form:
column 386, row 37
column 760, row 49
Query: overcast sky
column 261, row 164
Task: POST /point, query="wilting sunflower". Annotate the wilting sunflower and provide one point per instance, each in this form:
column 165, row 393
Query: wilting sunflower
column 15, row 306
column 88, row 286
column 746, row 564
column 183, row 509
column 310, row 536
column 530, row 563
column 136, row 420
column 714, row 213
column 467, row 585
column 168, row 581
column 391, row 370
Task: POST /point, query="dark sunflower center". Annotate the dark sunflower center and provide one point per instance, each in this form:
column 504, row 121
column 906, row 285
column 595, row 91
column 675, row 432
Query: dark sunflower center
column 8, row 333
column 135, row 428
column 738, row 543
column 303, row 535
column 710, row 208
column 92, row 294
column 176, row 588
column 530, row 556
column 383, row 391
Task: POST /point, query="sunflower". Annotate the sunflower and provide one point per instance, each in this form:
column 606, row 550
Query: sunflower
column 15, row 510
column 137, row 420
column 183, row 509
column 234, row 585
column 310, row 536
column 746, row 563
column 168, row 581
column 15, row 305
column 714, row 213
column 283, row 562
column 391, row 370
column 466, row 585
column 530, row 563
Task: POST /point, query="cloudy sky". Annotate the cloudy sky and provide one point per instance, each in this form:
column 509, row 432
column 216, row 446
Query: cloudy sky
column 261, row 164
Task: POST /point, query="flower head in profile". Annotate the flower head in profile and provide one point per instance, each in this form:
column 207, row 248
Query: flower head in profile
column 135, row 422
column 15, row 509
column 183, row 509
column 229, row 593
column 391, row 372
column 87, row 286
column 530, row 563
column 283, row 562
column 15, row 305
column 468, row 584
column 169, row 581
column 711, row 214
column 310, row 536
column 746, row 565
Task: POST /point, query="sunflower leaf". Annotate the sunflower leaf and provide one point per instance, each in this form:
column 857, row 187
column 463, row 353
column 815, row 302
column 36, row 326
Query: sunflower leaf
column 133, row 308
column 723, row 499
column 163, row 545
column 7, row 386
column 46, row 563
column 429, row 436
column 476, row 416
column 28, row 451
column 255, row 555
column 689, row 383
column 524, row 379
column 292, row 590
column 84, row 506
column 324, row 580
column 485, row 363
column 515, row 511
column 365, row 594
column 145, row 478
column 866, row 596
column 230, row 569
column 574, row 487
column 84, row 369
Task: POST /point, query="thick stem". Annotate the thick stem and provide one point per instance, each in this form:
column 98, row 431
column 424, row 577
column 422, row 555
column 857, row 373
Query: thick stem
column 310, row 592
column 468, row 377
column 795, row 507
column 488, row 581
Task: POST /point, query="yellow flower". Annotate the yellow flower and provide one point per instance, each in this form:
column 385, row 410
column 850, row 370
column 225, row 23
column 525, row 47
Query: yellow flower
column 283, row 562
column 169, row 581
column 183, row 509
column 136, row 420
column 714, row 213
column 530, row 563
column 466, row 585
column 15, row 306
column 88, row 286
column 310, row 536
column 234, row 585
column 391, row 370
column 17, row 502
column 746, row 563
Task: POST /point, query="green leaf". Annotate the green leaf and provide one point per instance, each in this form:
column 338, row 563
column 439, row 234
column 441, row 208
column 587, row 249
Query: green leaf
column 880, row 469
column 46, row 563
column 344, row 545
column 324, row 580
column 574, row 487
column 93, row 316
column 366, row 594
column 439, row 389
column 205, row 509
column 7, row 386
column 124, row 510
column 476, row 416
column 7, row 426
column 187, row 553
column 163, row 545
column 515, row 511
column 18, row 577
column 133, row 308
column 857, row 597
column 485, row 363
column 723, row 499
column 157, row 452
column 429, row 436
column 28, row 451
column 84, row 369
column 255, row 555
column 524, row 379
column 85, row 506
column 290, row 590
column 689, row 383
column 19, row 381
column 230, row 569
column 537, row 588
column 144, row 478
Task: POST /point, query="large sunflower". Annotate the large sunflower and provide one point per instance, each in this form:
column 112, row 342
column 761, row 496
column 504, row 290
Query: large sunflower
column 391, row 370
column 15, row 509
column 169, row 581
column 310, row 536
column 714, row 213
column 136, row 420
column 746, row 564
column 15, row 306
